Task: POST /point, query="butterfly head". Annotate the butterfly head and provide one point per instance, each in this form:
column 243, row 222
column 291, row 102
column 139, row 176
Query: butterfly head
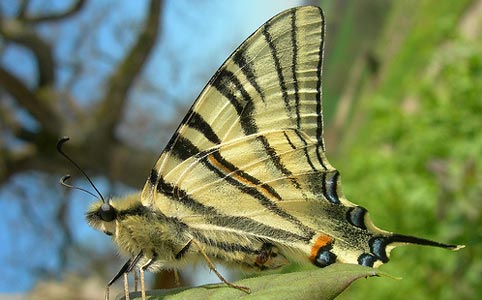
column 105, row 215
column 102, row 216
column 135, row 227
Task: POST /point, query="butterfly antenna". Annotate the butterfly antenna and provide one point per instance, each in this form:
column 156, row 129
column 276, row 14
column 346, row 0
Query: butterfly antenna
column 62, row 181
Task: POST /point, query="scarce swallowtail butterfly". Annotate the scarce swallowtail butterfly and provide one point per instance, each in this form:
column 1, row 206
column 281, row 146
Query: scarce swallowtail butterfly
column 244, row 180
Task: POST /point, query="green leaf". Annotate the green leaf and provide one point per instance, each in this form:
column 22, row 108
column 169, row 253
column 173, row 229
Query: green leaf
column 318, row 284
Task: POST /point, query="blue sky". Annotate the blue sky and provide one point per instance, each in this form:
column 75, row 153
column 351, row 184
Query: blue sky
column 197, row 37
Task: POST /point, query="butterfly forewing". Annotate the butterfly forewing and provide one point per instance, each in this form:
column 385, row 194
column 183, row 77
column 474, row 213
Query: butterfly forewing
column 272, row 81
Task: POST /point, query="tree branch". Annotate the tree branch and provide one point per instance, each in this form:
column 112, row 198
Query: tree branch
column 73, row 9
column 12, row 162
column 22, row 8
column 17, row 32
column 29, row 100
column 111, row 110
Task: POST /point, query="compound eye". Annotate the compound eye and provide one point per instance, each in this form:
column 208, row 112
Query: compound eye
column 107, row 212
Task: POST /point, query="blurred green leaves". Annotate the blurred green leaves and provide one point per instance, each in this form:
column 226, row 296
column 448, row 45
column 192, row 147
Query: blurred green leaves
column 412, row 153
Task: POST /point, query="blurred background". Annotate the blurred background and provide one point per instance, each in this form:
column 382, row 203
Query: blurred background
column 402, row 99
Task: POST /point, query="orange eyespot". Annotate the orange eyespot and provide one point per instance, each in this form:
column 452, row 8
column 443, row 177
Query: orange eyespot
column 320, row 242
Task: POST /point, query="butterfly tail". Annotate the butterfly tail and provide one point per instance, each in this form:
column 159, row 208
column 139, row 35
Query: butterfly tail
column 381, row 246
column 400, row 239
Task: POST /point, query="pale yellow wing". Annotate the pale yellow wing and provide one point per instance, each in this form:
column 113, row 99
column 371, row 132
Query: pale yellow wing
column 246, row 168
column 243, row 179
column 271, row 82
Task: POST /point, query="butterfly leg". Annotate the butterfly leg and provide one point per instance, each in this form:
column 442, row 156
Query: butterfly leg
column 126, row 286
column 141, row 273
column 269, row 257
column 136, row 281
column 126, row 268
column 212, row 267
column 122, row 271
column 177, row 280
column 143, row 285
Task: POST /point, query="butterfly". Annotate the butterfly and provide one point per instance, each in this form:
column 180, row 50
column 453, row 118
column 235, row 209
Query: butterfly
column 245, row 180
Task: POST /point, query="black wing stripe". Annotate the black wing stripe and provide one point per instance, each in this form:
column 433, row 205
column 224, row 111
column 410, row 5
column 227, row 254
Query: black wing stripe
column 230, row 168
column 223, row 83
column 331, row 189
column 247, row 69
column 289, row 141
column 166, row 188
column 184, row 148
column 319, row 118
column 153, row 177
column 229, row 85
column 277, row 64
column 212, row 216
column 329, row 184
column 227, row 247
column 277, row 162
column 307, row 155
column 197, row 122
column 248, row 123
column 269, row 232
column 293, row 68
column 253, row 190
column 323, row 185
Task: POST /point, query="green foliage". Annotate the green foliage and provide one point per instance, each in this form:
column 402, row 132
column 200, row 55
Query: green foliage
column 317, row 284
column 415, row 162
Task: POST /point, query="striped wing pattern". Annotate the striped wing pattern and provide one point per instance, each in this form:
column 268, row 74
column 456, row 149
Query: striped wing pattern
column 254, row 183
column 252, row 143
column 246, row 170
column 272, row 81
column 244, row 180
